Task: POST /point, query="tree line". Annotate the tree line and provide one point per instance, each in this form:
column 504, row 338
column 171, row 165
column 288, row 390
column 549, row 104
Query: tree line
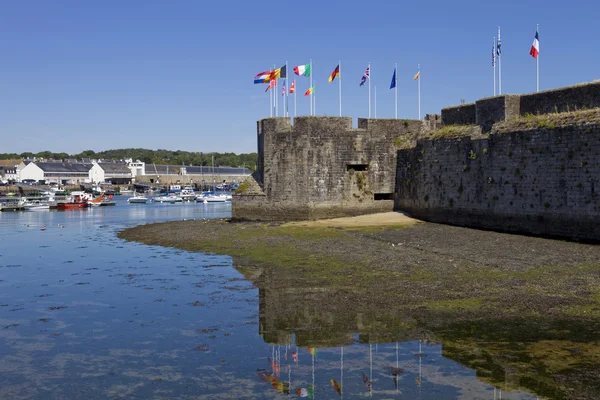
column 169, row 157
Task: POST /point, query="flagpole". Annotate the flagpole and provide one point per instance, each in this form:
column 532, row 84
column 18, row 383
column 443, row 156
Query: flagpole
column 295, row 89
column 340, row 85
column 419, row 90
column 276, row 98
column 287, row 89
column 499, row 63
column 537, row 61
column 311, row 95
column 494, row 61
column 396, row 91
column 369, row 78
column 270, row 103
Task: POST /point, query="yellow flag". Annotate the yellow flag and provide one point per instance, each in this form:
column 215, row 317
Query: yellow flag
column 417, row 75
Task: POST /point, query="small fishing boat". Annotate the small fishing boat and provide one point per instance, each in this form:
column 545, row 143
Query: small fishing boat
column 75, row 202
column 213, row 198
column 36, row 206
column 97, row 201
column 137, row 199
column 187, row 194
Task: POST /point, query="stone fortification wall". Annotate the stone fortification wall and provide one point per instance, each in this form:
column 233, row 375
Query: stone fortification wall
column 321, row 167
column 538, row 181
column 486, row 112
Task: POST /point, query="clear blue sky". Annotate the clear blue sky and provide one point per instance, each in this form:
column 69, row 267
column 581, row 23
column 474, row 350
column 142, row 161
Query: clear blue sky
column 78, row 75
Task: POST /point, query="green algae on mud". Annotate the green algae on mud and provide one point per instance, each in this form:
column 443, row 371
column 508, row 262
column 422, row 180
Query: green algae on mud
column 428, row 263
column 499, row 303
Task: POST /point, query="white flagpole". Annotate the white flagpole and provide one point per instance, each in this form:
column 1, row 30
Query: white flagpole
column 537, row 60
column 499, row 63
column 340, row 85
column 314, row 99
column 396, row 91
column 270, row 103
column 494, row 61
column 375, row 101
column 419, row 90
column 287, row 90
column 311, row 95
column 369, row 78
column 295, row 90
column 276, row 94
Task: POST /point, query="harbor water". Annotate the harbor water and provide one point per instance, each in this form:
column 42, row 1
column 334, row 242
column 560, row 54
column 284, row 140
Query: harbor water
column 85, row 315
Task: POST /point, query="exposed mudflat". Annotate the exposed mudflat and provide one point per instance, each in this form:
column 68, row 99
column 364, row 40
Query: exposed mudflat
column 525, row 303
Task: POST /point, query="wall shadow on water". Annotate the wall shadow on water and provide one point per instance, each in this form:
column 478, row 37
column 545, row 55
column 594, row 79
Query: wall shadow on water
column 549, row 357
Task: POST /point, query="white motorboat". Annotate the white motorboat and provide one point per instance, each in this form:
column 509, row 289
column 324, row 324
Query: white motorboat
column 214, row 198
column 137, row 199
column 168, row 199
column 188, row 194
column 36, row 206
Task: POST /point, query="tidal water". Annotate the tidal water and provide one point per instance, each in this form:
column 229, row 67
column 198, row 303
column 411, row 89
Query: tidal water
column 85, row 315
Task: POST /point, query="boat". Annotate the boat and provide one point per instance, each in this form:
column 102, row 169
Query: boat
column 213, row 198
column 36, row 206
column 97, row 201
column 187, row 194
column 12, row 204
column 137, row 199
column 168, row 199
column 73, row 203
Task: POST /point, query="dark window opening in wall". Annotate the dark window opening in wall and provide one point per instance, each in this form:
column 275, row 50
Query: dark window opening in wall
column 383, row 196
column 357, row 167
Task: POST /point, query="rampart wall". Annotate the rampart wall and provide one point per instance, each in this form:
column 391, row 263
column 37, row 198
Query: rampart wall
column 321, row 167
column 540, row 181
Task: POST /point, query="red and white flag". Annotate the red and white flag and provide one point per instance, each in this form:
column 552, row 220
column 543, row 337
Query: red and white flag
column 535, row 47
column 271, row 85
column 293, row 87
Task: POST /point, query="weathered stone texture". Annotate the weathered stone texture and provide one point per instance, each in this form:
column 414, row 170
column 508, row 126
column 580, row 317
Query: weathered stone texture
column 459, row 115
column 315, row 170
column 495, row 109
column 542, row 182
column 566, row 99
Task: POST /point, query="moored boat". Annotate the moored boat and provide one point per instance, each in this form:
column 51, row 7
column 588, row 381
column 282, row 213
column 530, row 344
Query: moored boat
column 73, row 203
column 168, row 199
column 137, row 199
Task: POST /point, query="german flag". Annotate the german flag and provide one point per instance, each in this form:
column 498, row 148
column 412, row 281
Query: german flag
column 335, row 73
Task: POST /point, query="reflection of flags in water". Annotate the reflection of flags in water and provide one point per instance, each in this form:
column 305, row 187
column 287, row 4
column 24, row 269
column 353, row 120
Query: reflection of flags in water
column 336, row 386
column 312, row 351
column 311, row 392
column 302, row 392
column 295, row 356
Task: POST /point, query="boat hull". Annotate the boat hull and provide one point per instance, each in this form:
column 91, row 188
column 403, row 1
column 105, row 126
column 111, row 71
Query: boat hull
column 70, row 206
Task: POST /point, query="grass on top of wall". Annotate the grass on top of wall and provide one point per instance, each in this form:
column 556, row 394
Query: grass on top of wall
column 549, row 121
column 453, row 131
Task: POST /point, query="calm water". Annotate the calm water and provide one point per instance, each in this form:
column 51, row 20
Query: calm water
column 84, row 315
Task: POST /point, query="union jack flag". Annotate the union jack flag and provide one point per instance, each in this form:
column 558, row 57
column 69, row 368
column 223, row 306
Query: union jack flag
column 365, row 77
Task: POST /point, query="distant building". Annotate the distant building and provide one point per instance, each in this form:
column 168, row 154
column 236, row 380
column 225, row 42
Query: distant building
column 10, row 174
column 116, row 173
column 137, row 168
column 64, row 173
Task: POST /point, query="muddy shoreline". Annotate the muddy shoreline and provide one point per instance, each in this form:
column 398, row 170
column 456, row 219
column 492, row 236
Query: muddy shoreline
column 496, row 301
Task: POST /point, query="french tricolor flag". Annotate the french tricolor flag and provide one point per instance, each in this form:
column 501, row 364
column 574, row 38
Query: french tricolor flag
column 535, row 47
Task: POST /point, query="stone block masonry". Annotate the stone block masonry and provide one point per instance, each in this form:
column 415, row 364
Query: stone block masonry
column 541, row 182
column 321, row 167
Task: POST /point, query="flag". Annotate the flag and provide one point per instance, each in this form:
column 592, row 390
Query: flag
column 499, row 45
column 310, row 90
column 302, row 70
column 335, row 73
column 535, row 47
column 262, row 77
column 293, row 87
column 283, row 89
column 365, row 76
column 493, row 54
column 279, row 73
column 271, row 85
column 393, row 84
column 417, row 76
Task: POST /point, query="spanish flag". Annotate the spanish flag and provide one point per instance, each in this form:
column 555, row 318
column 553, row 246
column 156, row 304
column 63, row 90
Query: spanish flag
column 417, row 76
column 310, row 91
column 335, row 73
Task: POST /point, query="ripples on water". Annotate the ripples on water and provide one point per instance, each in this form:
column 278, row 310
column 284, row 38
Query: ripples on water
column 84, row 315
